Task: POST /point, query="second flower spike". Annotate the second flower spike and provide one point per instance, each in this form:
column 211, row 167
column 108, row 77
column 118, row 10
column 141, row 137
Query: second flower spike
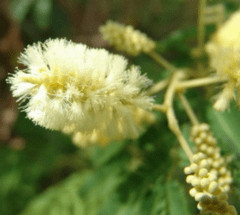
column 126, row 38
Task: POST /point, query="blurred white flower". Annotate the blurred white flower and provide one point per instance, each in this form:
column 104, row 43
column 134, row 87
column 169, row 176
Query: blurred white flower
column 126, row 38
column 224, row 52
column 68, row 85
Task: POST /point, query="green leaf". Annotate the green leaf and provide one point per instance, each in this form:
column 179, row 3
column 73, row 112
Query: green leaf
column 19, row 9
column 226, row 126
column 176, row 198
column 81, row 193
column 101, row 155
column 109, row 189
column 42, row 13
column 26, row 173
column 159, row 206
column 62, row 199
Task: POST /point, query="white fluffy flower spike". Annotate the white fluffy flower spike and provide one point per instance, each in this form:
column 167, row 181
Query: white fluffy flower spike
column 224, row 52
column 69, row 85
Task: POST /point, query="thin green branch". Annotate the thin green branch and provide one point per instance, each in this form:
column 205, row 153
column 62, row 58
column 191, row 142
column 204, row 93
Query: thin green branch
column 163, row 62
column 172, row 120
column 156, row 88
column 199, row 82
column 159, row 107
column 188, row 109
column 201, row 24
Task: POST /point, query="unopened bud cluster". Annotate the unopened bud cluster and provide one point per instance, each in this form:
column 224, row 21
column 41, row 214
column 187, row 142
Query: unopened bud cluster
column 206, row 143
column 207, row 173
column 126, row 38
column 216, row 205
column 202, row 178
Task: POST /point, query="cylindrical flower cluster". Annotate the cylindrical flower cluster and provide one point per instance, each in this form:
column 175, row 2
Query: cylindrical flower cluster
column 203, row 180
column 206, row 143
column 126, row 38
column 69, row 86
column 208, row 173
column 216, row 205
column 206, row 189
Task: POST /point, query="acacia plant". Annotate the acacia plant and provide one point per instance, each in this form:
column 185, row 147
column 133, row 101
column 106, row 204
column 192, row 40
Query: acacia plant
column 98, row 98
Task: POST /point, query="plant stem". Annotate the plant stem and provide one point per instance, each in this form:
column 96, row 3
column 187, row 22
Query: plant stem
column 199, row 82
column 158, row 87
column 174, row 80
column 188, row 109
column 163, row 62
column 201, row 26
column 159, row 107
column 172, row 120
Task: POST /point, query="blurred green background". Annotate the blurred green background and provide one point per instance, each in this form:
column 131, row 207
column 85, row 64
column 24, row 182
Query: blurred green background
column 42, row 172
